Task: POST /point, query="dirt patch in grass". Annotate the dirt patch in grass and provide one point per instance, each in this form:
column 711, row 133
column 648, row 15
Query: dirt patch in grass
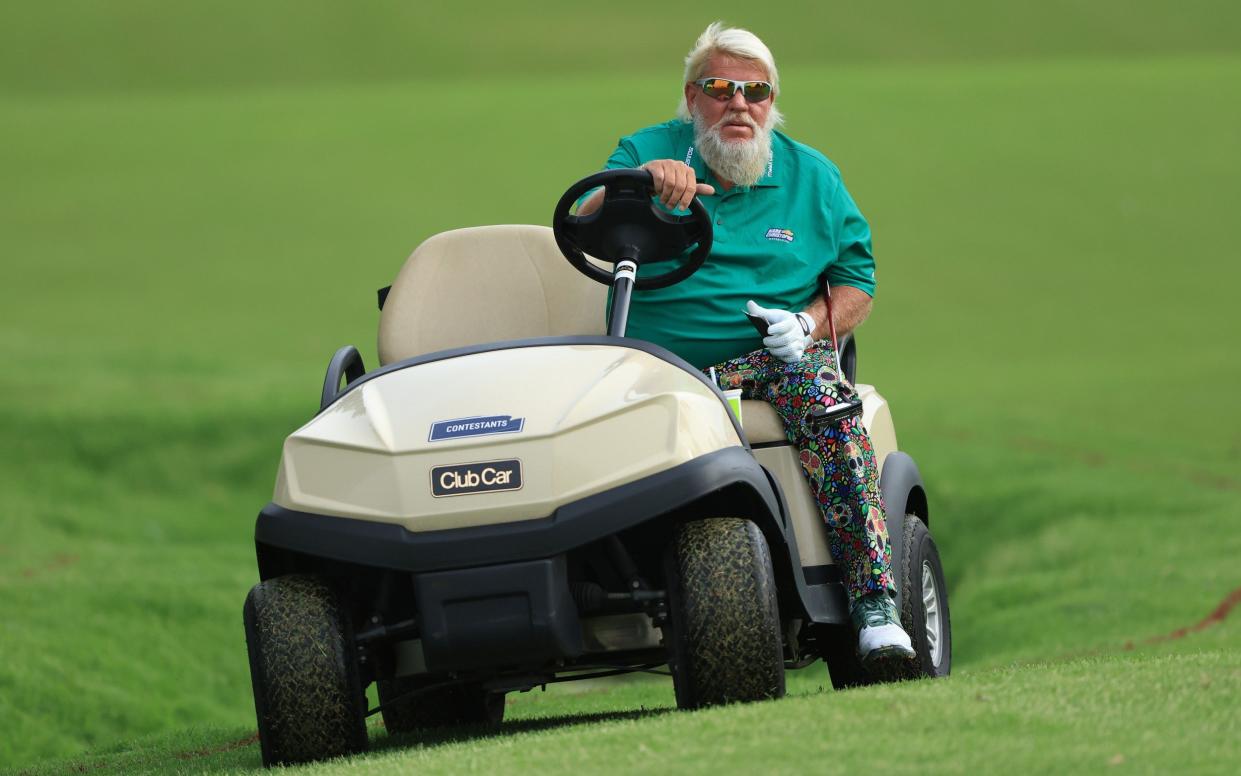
column 240, row 743
column 1217, row 615
column 58, row 563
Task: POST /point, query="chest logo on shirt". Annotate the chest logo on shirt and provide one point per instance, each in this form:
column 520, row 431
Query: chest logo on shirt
column 776, row 233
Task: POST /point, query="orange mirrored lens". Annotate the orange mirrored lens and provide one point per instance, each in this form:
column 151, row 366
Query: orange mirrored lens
column 724, row 89
column 756, row 91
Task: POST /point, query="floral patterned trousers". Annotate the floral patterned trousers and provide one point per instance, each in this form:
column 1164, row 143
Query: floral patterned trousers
column 837, row 457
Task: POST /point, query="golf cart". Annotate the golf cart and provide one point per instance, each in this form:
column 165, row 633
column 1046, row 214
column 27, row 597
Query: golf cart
column 517, row 497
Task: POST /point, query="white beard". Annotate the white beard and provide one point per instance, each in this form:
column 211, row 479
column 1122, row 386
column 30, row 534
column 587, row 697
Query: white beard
column 741, row 162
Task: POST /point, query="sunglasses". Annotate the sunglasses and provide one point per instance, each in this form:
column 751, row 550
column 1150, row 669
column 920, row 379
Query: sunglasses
column 723, row 89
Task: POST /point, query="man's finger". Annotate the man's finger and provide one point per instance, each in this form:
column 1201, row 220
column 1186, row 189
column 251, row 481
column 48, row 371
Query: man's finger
column 687, row 193
column 774, row 340
column 771, row 316
column 784, row 326
column 705, row 190
column 789, row 354
column 690, row 186
column 668, row 190
column 678, row 188
column 657, row 177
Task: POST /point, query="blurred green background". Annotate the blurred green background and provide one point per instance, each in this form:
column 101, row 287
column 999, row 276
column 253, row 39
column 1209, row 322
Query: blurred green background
column 198, row 201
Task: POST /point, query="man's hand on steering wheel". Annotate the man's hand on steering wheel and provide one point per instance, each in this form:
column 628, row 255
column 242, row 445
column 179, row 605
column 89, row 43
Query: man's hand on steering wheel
column 674, row 186
column 675, row 183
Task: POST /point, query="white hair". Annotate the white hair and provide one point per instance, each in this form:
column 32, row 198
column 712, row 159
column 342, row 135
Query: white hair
column 729, row 41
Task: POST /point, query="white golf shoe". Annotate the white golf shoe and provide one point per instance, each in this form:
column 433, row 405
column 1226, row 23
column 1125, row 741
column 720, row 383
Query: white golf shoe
column 880, row 635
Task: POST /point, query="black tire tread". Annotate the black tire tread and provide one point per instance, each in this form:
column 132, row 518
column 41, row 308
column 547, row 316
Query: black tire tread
column 726, row 622
column 844, row 667
column 307, row 691
column 919, row 546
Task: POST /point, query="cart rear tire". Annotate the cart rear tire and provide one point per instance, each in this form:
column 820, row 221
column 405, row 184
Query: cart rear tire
column 839, row 650
column 463, row 704
column 308, row 695
column 724, row 632
column 924, row 602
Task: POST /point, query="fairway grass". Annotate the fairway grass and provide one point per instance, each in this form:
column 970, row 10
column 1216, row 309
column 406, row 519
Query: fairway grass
column 1055, row 330
column 1140, row 713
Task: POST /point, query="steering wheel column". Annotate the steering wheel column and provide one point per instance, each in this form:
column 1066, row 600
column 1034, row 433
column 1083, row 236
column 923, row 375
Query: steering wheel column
column 624, row 273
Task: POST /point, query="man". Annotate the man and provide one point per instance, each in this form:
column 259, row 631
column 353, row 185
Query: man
column 782, row 219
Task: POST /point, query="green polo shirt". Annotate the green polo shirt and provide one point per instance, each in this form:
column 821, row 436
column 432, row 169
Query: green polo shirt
column 772, row 242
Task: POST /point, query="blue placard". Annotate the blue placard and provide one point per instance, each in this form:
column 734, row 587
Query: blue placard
column 481, row 425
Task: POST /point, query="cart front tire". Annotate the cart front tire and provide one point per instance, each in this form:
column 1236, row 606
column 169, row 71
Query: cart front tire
column 308, row 695
column 724, row 632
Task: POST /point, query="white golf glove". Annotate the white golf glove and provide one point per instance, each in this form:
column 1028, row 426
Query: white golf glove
column 788, row 334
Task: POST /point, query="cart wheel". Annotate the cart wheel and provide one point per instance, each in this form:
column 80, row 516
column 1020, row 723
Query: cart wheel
column 839, row 650
column 307, row 693
column 463, row 704
column 724, row 640
column 924, row 602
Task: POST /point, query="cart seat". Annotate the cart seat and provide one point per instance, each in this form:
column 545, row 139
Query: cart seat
column 485, row 284
column 761, row 423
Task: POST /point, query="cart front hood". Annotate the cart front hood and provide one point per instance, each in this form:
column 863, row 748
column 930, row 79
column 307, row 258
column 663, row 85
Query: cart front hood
column 499, row 436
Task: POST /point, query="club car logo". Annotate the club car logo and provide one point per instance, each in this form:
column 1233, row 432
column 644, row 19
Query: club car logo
column 484, row 477
column 481, row 425
column 776, row 233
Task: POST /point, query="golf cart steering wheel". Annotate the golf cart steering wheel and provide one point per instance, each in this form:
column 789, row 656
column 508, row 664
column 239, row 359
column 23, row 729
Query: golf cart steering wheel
column 629, row 225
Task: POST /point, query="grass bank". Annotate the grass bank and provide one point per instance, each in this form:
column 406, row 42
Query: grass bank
column 1052, row 329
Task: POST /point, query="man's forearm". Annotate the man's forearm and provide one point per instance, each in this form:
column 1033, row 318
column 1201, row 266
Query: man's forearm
column 850, row 306
column 591, row 204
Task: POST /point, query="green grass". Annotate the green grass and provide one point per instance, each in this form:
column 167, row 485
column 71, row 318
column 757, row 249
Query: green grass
column 82, row 46
column 184, row 245
column 1149, row 714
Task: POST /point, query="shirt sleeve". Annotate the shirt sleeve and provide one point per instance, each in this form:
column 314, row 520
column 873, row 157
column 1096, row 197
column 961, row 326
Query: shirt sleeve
column 624, row 157
column 855, row 264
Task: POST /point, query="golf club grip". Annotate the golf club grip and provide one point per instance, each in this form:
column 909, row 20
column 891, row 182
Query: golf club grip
column 759, row 322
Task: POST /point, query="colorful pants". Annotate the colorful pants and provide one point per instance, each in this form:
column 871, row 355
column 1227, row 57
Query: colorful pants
column 838, row 458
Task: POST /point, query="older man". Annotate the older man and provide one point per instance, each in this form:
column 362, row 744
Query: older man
column 782, row 220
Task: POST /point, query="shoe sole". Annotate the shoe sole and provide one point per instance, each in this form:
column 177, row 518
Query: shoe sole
column 891, row 663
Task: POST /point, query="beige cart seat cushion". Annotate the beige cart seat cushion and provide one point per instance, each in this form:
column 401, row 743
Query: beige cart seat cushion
column 761, row 422
column 485, row 284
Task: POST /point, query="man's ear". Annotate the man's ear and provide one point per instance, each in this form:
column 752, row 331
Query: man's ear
column 689, row 97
